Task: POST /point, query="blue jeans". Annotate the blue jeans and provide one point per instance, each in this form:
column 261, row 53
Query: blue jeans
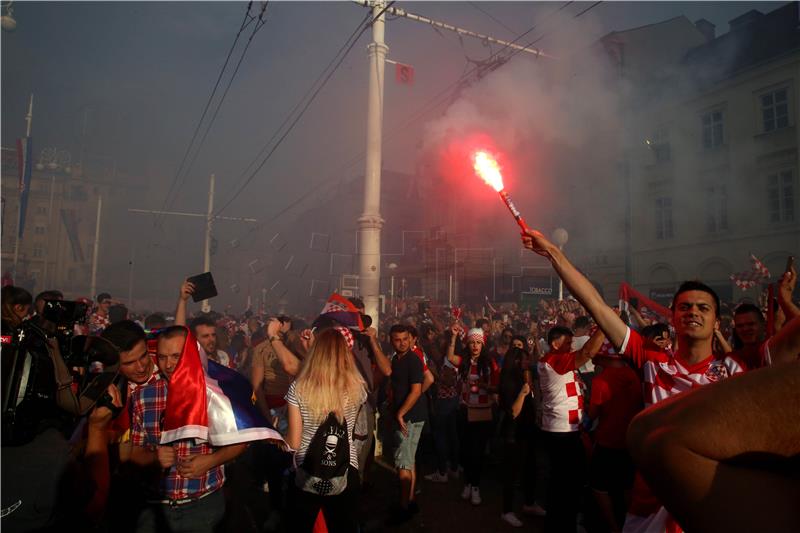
column 199, row 516
column 445, row 433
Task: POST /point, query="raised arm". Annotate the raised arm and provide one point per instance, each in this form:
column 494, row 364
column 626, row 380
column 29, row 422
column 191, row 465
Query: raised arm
column 590, row 349
column 289, row 361
column 784, row 346
column 785, row 290
column 383, row 363
column 580, row 287
column 451, row 346
column 187, row 289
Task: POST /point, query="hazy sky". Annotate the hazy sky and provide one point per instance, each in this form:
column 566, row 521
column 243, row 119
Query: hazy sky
column 137, row 75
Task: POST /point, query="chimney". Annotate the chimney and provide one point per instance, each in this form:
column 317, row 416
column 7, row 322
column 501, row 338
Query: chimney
column 742, row 21
column 708, row 29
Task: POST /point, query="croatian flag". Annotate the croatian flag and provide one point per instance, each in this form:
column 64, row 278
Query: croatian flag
column 24, row 162
column 343, row 311
column 212, row 403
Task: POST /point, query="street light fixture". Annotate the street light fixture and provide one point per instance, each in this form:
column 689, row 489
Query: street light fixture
column 9, row 23
column 392, row 267
column 560, row 238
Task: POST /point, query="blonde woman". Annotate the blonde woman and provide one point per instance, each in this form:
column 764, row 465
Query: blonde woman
column 329, row 390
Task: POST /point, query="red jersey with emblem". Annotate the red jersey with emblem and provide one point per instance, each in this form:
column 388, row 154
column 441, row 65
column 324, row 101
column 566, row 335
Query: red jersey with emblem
column 665, row 375
column 562, row 392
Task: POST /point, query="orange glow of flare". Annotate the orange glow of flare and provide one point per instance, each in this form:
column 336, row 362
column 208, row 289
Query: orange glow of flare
column 487, row 168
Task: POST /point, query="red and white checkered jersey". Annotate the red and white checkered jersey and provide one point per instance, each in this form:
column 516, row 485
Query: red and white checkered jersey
column 664, row 375
column 562, row 392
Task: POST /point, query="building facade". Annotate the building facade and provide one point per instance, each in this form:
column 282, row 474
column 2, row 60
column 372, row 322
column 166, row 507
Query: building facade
column 712, row 153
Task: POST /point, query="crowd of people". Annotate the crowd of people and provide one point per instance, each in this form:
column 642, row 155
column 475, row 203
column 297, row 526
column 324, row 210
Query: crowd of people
column 582, row 409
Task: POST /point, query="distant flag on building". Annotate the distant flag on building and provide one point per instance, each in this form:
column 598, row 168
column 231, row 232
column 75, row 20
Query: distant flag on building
column 758, row 273
column 70, row 220
column 212, row 403
column 24, row 166
column 404, row 74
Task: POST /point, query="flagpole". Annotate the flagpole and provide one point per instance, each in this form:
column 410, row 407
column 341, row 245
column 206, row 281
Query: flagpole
column 28, row 119
column 93, row 287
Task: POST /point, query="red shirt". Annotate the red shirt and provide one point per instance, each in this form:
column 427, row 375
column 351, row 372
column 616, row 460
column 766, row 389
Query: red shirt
column 417, row 350
column 617, row 394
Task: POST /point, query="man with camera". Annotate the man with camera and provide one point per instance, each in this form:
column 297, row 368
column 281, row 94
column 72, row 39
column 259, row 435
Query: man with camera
column 39, row 408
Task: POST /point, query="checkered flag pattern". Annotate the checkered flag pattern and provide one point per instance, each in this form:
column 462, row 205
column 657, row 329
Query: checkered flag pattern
column 746, row 280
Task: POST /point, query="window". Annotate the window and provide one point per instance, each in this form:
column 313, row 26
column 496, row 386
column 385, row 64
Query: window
column 663, row 218
column 780, row 196
column 712, row 130
column 775, row 109
column 716, row 208
column 41, row 210
column 39, row 230
column 38, row 252
column 660, row 145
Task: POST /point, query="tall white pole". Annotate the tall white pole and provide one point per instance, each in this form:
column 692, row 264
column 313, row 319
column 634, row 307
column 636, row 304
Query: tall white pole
column 455, row 274
column 28, row 120
column 95, row 251
column 560, row 283
column 206, row 306
column 370, row 222
column 450, row 299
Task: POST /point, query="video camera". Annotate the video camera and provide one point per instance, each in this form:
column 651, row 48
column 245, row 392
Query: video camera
column 99, row 360
column 30, row 392
column 62, row 315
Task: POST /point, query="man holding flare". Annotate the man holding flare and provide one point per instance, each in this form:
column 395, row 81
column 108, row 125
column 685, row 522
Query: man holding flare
column 695, row 317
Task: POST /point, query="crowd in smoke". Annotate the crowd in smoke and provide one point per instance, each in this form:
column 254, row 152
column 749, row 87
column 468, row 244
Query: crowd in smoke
column 549, row 392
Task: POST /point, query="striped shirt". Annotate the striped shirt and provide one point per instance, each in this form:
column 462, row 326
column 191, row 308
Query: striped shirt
column 149, row 403
column 310, row 426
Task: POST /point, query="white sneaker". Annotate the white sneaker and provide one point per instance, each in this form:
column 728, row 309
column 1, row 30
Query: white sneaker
column 511, row 519
column 466, row 492
column 436, row 477
column 535, row 510
column 476, row 496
